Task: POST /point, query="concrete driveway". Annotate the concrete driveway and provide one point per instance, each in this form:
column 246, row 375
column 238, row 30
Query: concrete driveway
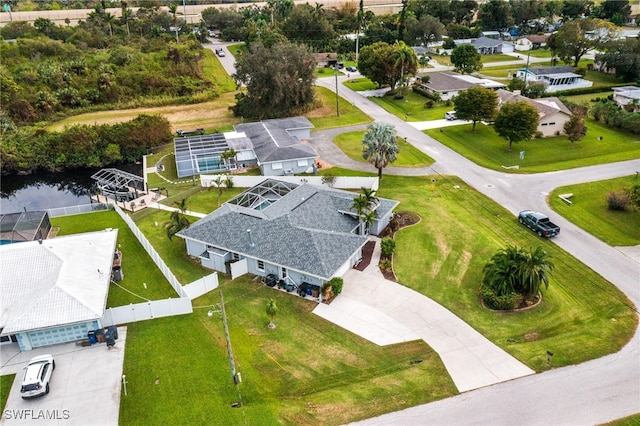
column 85, row 386
column 385, row 312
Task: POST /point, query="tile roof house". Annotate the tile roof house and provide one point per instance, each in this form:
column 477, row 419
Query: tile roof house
column 450, row 84
column 55, row 290
column 276, row 146
column 552, row 113
column 300, row 233
column 554, row 78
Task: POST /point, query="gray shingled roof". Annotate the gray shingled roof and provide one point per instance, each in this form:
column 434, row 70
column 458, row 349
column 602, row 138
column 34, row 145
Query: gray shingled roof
column 304, row 230
column 551, row 70
column 272, row 141
column 485, row 42
column 443, row 82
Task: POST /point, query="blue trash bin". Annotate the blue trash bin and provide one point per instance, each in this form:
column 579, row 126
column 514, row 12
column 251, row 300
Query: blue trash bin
column 92, row 337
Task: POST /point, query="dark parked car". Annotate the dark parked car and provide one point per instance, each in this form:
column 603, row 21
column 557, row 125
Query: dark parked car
column 351, row 69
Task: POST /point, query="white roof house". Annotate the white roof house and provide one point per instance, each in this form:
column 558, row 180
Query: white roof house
column 55, row 290
column 627, row 95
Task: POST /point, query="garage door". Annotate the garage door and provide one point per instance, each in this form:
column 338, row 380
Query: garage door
column 55, row 335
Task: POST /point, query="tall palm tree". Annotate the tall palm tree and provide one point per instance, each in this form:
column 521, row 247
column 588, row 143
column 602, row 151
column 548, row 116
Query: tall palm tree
column 379, row 145
column 370, row 195
column 109, row 19
column 403, row 56
column 361, row 206
column 367, row 219
column 534, row 271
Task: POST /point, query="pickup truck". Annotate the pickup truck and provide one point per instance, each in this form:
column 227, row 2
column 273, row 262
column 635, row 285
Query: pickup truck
column 538, row 223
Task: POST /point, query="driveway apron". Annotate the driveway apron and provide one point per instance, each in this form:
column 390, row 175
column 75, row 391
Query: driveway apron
column 385, row 312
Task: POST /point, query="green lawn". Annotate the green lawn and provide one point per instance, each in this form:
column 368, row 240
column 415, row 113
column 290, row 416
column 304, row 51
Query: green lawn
column 360, row 84
column 306, row 371
column 137, row 266
column 538, row 53
column 5, row 388
column 498, row 57
column 213, row 71
column 351, row 144
column 487, row 149
column 443, row 256
column 414, row 104
column 589, row 211
column 324, row 117
column 587, row 98
column 633, row 420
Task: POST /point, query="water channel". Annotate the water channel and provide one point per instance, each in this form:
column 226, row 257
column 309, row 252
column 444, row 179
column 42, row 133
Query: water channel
column 44, row 190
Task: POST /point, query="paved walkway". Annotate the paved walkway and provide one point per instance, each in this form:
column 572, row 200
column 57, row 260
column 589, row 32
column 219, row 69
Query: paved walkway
column 386, row 313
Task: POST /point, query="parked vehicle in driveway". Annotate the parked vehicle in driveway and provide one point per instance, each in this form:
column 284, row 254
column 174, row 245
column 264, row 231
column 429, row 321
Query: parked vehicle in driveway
column 538, row 223
column 351, row 69
column 37, row 375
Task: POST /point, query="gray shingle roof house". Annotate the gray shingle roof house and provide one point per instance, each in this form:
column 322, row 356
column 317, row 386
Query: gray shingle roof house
column 304, row 233
column 274, row 145
column 554, row 78
column 278, row 145
column 55, row 291
column 552, row 113
column 450, row 84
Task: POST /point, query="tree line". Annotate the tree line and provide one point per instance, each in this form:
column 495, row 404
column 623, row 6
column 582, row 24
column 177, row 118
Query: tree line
column 28, row 149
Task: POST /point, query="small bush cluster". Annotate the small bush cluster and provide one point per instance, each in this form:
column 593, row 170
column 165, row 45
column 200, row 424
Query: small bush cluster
column 505, row 302
column 618, row 201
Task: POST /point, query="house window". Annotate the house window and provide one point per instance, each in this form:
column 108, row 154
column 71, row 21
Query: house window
column 276, row 166
column 284, row 272
column 302, row 162
column 260, row 265
column 236, row 256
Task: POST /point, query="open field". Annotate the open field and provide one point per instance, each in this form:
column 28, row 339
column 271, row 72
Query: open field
column 484, row 147
column 589, row 210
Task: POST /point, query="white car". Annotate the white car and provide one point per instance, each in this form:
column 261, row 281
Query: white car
column 451, row 115
column 37, row 375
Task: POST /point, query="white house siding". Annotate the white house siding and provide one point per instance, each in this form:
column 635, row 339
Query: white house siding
column 507, row 48
column 553, row 124
column 523, row 44
column 279, row 168
column 55, row 335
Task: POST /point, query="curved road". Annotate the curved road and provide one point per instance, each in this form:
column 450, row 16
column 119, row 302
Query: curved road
column 593, row 392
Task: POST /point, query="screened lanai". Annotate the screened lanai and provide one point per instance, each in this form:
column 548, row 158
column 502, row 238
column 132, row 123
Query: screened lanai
column 24, row 226
column 263, row 195
column 200, row 154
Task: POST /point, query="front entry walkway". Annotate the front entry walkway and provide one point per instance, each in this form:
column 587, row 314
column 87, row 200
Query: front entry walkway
column 385, row 313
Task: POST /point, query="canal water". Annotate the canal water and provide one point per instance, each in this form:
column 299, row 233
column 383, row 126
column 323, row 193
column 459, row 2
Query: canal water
column 43, row 190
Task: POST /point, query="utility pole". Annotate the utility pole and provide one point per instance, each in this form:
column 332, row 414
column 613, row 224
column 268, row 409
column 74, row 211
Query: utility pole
column 336, row 74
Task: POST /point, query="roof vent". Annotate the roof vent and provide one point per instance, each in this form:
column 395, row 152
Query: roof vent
column 251, row 244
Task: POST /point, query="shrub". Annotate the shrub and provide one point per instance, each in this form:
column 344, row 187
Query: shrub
column 385, row 264
column 429, row 104
column 618, row 201
column 329, row 178
column 336, row 283
column 387, row 247
column 502, row 303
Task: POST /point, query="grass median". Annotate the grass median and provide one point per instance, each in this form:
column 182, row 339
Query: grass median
column 409, row 156
column 589, row 210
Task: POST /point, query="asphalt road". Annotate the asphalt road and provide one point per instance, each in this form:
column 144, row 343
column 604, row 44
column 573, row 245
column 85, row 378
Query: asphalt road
column 593, row 392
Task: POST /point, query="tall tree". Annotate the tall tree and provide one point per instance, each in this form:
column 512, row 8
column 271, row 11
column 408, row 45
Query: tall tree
column 575, row 128
column 279, row 81
column 466, row 59
column 379, row 145
column 307, row 25
column 404, row 58
column 516, row 121
column 615, row 11
column 178, row 219
column 373, row 63
column 573, row 9
column 575, row 38
column 423, row 31
column 623, row 56
column 495, row 15
column 476, row 104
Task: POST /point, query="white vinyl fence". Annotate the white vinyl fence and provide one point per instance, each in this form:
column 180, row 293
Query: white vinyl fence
column 82, row 208
column 146, row 310
column 201, row 286
column 153, row 253
column 342, row 182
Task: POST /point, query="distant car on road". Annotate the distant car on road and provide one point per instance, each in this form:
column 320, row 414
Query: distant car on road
column 451, row 115
column 351, row 69
column 538, row 223
column 37, row 375
column 220, row 53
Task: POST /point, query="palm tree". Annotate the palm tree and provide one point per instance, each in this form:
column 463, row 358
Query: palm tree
column 361, row 206
column 534, row 271
column 370, row 195
column 367, row 219
column 227, row 156
column 272, row 311
column 178, row 220
column 403, row 56
column 379, row 145
column 109, row 19
column 219, row 181
column 502, row 274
